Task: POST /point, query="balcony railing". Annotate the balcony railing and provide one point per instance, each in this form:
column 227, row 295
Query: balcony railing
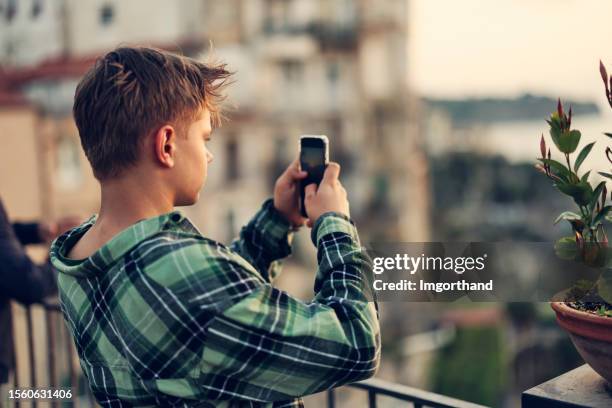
column 53, row 323
column 82, row 396
column 419, row 398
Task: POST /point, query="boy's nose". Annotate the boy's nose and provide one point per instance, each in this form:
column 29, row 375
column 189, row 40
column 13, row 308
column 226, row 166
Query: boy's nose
column 210, row 157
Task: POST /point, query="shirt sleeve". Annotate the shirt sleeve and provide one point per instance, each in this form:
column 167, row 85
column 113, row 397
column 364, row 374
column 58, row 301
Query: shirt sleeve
column 270, row 346
column 20, row 278
column 265, row 240
column 27, row 233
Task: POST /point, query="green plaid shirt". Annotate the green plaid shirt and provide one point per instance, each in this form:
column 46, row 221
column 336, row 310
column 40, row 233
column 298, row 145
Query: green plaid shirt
column 164, row 316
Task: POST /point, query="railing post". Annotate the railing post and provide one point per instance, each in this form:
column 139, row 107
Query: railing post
column 50, row 315
column 74, row 383
column 31, row 352
column 331, row 400
column 372, row 398
column 15, row 366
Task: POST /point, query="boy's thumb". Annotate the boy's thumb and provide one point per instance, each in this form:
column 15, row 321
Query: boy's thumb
column 310, row 191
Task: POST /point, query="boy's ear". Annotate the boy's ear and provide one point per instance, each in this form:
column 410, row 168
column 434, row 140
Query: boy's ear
column 165, row 146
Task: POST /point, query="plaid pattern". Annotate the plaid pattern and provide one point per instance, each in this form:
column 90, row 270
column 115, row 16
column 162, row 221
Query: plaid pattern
column 164, row 316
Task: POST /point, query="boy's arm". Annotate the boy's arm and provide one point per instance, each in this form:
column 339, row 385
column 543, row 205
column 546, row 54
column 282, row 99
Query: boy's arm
column 265, row 239
column 270, row 346
column 20, row 278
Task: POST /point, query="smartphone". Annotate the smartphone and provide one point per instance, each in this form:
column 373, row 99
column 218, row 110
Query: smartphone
column 314, row 158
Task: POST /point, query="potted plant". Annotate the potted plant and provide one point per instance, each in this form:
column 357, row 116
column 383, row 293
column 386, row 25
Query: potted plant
column 584, row 310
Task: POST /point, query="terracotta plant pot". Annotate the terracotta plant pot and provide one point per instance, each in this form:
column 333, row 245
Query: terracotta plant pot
column 591, row 335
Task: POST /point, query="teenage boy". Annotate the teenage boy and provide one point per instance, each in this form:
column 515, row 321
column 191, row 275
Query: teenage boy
column 161, row 315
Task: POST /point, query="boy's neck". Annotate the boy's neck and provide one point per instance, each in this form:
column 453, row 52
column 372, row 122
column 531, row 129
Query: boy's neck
column 126, row 201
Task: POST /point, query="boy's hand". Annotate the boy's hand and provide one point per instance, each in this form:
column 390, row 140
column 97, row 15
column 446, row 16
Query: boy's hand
column 49, row 230
column 287, row 194
column 330, row 196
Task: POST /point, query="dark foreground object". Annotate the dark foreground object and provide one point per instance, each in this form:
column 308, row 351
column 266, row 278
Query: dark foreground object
column 581, row 387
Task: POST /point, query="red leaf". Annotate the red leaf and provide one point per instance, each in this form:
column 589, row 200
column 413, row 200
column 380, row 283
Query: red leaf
column 543, row 147
column 559, row 108
column 604, row 73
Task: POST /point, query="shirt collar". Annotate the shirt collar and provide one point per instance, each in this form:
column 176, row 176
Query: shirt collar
column 117, row 247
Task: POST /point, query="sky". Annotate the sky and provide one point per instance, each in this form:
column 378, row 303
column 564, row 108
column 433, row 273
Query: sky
column 465, row 48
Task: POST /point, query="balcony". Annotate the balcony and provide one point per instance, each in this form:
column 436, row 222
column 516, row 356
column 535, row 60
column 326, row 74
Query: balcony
column 64, row 373
column 581, row 387
column 328, row 36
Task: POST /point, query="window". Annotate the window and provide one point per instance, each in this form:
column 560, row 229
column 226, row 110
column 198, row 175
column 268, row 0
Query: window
column 380, row 191
column 278, row 163
column 36, row 8
column 232, row 160
column 333, row 72
column 292, row 70
column 107, row 13
column 11, row 10
column 69, row 175
column 230, row 225
column 276, row 16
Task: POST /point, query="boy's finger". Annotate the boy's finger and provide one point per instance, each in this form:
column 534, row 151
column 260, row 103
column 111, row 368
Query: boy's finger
column 294, row 165
column 310, row 191
column 331, row 173
column 299, row 174
column 292, row 170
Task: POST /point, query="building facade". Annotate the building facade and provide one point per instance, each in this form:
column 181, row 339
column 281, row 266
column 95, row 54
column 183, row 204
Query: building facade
column 331, row 67
column 339, row 68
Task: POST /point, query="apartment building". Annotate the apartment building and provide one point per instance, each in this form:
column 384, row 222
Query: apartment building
column 336, row 67
column 319, row 66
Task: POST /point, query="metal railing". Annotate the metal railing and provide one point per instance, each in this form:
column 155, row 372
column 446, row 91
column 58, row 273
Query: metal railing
column 419, row 398
column 374, row 387
column 53, row 322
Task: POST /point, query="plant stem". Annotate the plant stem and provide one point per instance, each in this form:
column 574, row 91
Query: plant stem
column 569, row 166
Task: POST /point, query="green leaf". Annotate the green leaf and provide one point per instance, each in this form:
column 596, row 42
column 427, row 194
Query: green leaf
column 608, row 134
column 596, row 194
column 568, row 141
column 608, row 175
column 555, row 135
column 557, row 168
column 603, row 213
column 581, row 192
column 555, row 120
column 585, row 176
column 567, row 215
column 566, row 248
column 584, row 285
column 582, row 155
